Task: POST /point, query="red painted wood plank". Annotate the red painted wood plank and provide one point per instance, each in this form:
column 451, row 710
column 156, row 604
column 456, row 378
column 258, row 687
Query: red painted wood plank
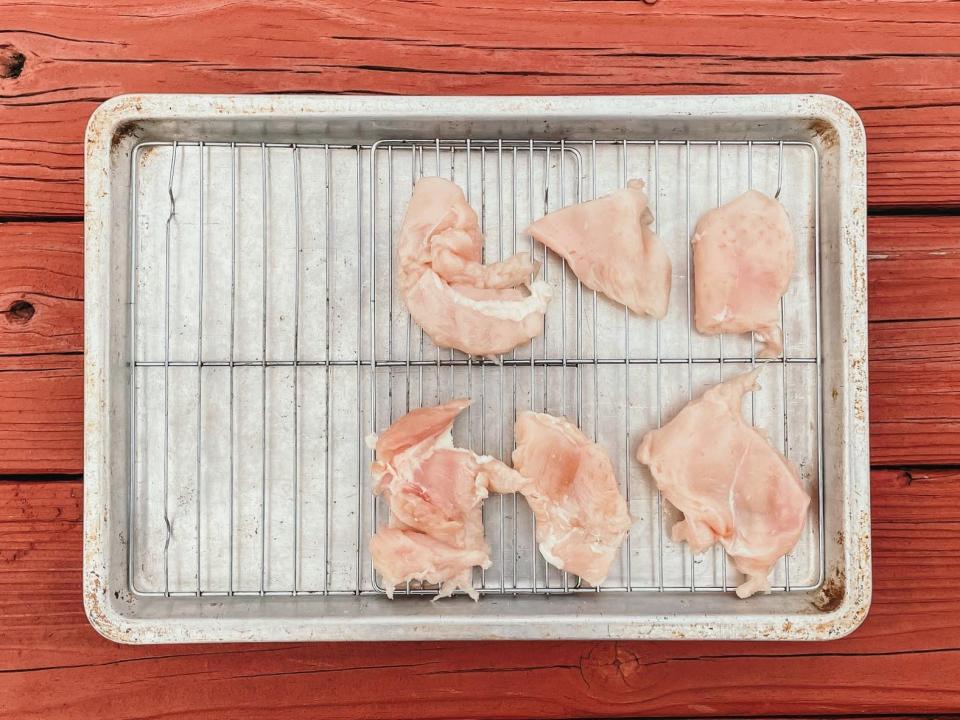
column 915, row 341
column 914, row 273
column 914, row 268
column 904, row 659
column 41, row 414
column 914, row 377
column 41, row 338
column 894, row 60
column 914, row 409
column 41, row 288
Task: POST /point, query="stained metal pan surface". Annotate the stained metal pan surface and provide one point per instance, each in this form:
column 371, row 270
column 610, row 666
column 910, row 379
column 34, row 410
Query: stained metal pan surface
column 244, row 335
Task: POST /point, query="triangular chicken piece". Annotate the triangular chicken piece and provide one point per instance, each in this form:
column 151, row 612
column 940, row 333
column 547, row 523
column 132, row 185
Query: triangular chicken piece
column 609, row 245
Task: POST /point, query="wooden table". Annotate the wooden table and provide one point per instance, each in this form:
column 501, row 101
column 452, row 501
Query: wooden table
column 896, row 61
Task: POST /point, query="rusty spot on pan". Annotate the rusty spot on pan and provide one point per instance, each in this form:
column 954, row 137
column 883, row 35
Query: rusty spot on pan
column 145, row 154
column 127, row 129
column 825, row 131
column 832, row 593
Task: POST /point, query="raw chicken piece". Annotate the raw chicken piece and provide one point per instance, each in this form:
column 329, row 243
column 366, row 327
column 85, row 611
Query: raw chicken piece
column 743, row 256
column 730, row 484
column 609, row 245
column 452, row 267
column 436, row 492
column 569, row 483
column 409, row 555
column 441, row 277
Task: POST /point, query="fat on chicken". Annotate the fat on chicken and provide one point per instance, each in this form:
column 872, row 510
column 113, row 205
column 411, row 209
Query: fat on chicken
column 569, row 483
column 435, row 492
column 743, row 256
column 730, row 484
column 457, row 300
column 609, row 244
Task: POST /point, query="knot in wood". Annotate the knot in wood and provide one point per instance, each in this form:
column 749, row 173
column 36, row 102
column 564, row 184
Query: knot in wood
column 20, row 312
column 611, row 665
column 11, row 62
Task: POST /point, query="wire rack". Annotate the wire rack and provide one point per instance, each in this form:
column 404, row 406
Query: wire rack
column 268, row 340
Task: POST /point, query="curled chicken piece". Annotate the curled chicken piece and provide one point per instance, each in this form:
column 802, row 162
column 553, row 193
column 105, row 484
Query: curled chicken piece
column 436, row 492
column 730, row 484
column 569, row 483
column 509, row 273
column 457, row 300
column 609, row 244
column 743, row 257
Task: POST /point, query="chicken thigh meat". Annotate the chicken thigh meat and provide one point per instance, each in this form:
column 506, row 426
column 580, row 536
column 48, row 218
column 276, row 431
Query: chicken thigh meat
column 732, row 487
column 743, row 257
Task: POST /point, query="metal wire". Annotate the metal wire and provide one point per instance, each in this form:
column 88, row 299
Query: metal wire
column 199, row 513
column 355, row 226
column 264, row 312
column 233, row 343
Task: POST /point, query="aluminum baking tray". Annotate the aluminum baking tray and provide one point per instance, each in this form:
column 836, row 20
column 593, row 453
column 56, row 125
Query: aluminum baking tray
column 243, row 336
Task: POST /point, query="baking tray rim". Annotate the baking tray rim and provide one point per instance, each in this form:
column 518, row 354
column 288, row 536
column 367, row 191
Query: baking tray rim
column 846, row 604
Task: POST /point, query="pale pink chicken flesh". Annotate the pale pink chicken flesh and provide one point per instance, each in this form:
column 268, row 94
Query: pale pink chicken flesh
column 743, row 257
column 457, row 300
column 609, row 245
column 435, row 492
column 730, row 484
column 569, row 483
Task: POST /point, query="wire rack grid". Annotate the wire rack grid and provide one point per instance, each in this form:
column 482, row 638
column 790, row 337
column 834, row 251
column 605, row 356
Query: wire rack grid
column 268, row 340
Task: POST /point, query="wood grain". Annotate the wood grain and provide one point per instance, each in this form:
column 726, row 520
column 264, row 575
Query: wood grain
column 904, row 659
column 41, row 414
column 896, row 61
column 914, row 405
column 41, row 341
column 914, row 275
column 41, row 288
column 914, row 268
